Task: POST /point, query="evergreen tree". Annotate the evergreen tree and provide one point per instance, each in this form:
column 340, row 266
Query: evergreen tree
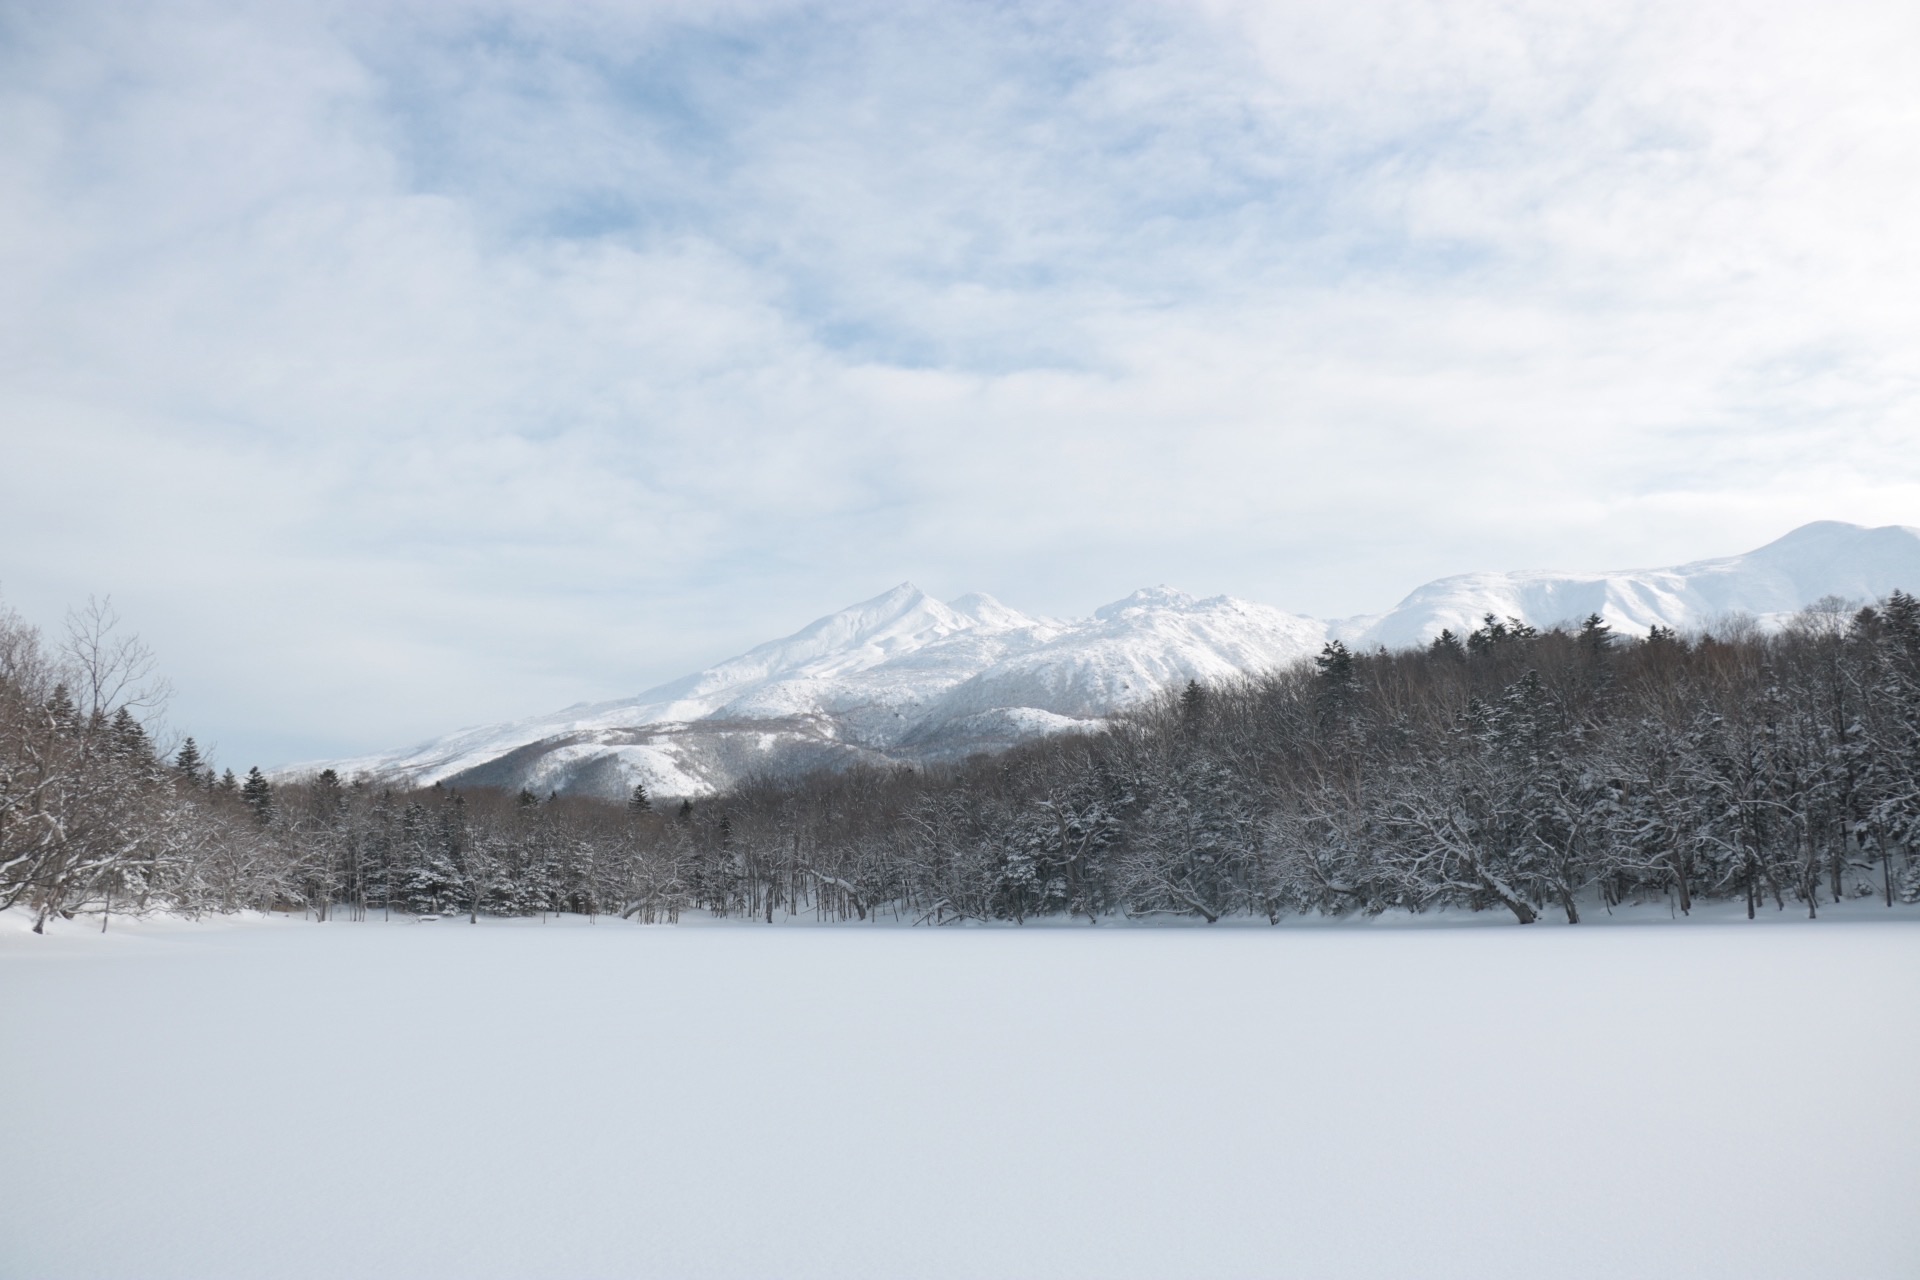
column 129, row 741
column 1193, row 702
column 189, row 761
column 1495, row 636
column 328, row 798
column 258, row 795
column 1335, row 664
column 1491, row 634
column 1596, row 637
column 639, row 802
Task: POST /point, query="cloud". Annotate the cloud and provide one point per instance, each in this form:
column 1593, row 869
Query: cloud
column 398, row 367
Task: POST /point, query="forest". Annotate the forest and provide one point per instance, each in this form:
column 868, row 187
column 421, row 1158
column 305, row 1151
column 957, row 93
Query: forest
column 1520, row 771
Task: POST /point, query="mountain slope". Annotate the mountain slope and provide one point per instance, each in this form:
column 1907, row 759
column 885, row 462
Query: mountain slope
column 1786, row 575
column 905, row 677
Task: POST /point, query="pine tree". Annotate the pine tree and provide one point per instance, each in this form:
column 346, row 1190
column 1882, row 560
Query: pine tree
column 1596, row 637
column 1335, row 664
column 1447, row 645
column 1491, row 634
column 258, row 795
column 328, row 800
column 1193, row 702
column 639, row 802
column 189, row 761
column 129, row 740
column 1495, row 635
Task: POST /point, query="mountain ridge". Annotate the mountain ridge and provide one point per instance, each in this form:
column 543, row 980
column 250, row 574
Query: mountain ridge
column 904, row 677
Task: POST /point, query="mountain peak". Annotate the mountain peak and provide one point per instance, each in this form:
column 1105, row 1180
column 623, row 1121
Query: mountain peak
column 1827, row 537
column 1817, row 529
column 1160, row 597
column 988, row 612
column 903, row 676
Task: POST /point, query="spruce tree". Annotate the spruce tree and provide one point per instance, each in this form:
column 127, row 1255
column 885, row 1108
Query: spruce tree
column 130, row 741
column 1193, row 701
column 328, row 800
column 258, row 795
column 1335, row 664
column 639, row 802
column 1596, row 637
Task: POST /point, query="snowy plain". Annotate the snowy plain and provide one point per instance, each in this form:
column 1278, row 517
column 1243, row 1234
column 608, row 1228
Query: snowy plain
column 253, row 1097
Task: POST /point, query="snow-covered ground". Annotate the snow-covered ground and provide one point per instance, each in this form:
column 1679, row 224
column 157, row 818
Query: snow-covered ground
column 279, row 1098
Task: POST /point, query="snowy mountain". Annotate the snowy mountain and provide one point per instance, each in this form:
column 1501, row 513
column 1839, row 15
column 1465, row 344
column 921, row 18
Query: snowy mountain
column 905, row 677
column 1781, row 578
column 900, row 677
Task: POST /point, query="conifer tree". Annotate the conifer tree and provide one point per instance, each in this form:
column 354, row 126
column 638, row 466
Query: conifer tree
column 327, row 796
column 1193, row 702
column 1335, row 664
column 639, row 801
column 129, row 740
column 1596, row 637
column 258, row 795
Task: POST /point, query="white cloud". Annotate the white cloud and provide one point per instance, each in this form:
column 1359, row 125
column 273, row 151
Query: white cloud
column 398, row 368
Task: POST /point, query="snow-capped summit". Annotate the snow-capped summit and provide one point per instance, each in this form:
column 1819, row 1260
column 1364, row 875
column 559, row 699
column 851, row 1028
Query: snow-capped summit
column 1147, row 598
column 1788, row 574
column 990, row 613
column 899, row 676
column 904, row 676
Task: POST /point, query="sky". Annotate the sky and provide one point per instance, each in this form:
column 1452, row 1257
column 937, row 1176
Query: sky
column 395, row 368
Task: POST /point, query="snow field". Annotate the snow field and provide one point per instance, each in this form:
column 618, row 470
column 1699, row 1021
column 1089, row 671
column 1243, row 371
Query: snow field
column 287, row 1099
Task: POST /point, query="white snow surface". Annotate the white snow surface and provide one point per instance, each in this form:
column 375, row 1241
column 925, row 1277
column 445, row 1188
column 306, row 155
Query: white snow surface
column 254, row 1098
column 906, row 677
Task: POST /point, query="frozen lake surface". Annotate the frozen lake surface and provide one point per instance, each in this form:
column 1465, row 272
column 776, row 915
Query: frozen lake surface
column 279, row 1098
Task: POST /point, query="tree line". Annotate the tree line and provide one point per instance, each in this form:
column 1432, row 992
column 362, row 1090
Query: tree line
column 1514, row 770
